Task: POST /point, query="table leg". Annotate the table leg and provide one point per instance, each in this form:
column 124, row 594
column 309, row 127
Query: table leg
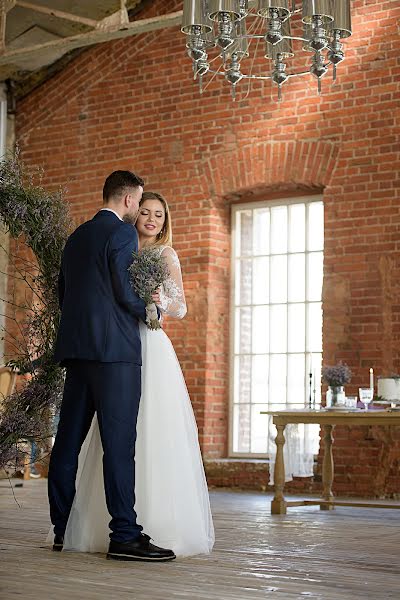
column 327, row 468
column 27, row 464
column 278, row 504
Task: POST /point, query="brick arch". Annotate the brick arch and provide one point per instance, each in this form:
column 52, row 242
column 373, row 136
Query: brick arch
column 262, row 167
column 271, row 165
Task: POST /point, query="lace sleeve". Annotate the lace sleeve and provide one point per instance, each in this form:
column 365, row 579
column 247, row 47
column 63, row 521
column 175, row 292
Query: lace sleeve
column 172, row 296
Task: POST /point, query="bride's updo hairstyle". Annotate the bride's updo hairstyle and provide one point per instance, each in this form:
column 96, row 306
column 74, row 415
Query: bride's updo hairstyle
column 164, row 238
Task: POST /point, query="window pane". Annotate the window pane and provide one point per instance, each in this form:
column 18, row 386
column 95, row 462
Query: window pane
column 245, row 229
column 296, row 379
column 297, row 282
column 243, row 331
column 278, row 341
column 315, row 226
column 241, row 427
column 314, row 334
column 261, row 225
column 259, row 428
column 243, row 281
column 260, row 280
column 278, row 229
column 296, row 327
column 297, row 228
column 278, row 278
column 243, row 375
column 315, row 274
column 277, row 381
column 260, row 329
column 259, row 378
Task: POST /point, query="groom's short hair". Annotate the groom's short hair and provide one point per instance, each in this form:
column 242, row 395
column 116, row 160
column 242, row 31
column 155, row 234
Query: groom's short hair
column 118, row 183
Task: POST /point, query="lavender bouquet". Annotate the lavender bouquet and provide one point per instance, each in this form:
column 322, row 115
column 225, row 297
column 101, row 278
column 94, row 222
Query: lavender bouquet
column 336, row 376
column 147, row 272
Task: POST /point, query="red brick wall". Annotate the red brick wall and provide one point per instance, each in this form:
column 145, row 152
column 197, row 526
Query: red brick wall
column 132, row 104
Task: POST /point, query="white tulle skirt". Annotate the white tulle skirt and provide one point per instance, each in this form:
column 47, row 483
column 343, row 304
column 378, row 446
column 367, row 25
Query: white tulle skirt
column 172, row 501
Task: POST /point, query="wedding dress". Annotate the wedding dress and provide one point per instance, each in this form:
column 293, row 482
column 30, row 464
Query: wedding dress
column 172, row 501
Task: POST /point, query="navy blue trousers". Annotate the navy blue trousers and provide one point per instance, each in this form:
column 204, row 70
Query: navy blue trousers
column 112, row 390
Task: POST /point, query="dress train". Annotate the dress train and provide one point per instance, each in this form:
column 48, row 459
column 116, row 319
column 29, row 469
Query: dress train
column 172, row 501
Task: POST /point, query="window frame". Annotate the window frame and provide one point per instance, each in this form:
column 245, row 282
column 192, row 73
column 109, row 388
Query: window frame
column 235, row 207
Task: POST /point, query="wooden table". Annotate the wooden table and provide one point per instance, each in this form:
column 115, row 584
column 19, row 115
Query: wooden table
column 328, row 420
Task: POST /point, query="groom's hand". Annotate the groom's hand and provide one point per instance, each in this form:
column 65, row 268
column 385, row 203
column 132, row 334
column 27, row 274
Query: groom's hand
column 122, row 244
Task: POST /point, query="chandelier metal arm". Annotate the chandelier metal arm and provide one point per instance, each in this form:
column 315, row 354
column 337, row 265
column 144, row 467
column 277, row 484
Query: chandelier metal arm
column 299, row 74
column 284, row 37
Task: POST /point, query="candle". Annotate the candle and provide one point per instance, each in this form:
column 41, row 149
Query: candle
column 371, row 379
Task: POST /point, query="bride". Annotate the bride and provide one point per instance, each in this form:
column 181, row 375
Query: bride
column 172, row 502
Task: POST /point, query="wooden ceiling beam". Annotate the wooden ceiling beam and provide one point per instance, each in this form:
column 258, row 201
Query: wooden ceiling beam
column 5, row 7
column 52, row 12
column 106, row 30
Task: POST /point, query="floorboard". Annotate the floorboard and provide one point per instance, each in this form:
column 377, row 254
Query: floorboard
column 347, row 553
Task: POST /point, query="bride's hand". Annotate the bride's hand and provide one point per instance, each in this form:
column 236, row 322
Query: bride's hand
column 156, row 296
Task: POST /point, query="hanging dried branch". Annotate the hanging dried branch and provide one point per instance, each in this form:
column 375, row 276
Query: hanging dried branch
column 39, row 220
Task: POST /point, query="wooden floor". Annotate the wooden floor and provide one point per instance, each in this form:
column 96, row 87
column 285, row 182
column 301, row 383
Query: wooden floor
column 347, row 553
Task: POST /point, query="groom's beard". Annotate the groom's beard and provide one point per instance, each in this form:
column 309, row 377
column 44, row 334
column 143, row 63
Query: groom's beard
column 131, row 218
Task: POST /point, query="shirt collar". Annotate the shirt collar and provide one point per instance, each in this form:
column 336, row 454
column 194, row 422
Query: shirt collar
column 113, row 211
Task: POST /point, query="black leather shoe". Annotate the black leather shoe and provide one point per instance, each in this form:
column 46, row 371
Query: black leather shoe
column 139, row 549
column 58, row 543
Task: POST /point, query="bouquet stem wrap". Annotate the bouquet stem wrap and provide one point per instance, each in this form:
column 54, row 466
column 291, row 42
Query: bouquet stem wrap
column 152, row 320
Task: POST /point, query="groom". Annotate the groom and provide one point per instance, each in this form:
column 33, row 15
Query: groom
column 99, row 344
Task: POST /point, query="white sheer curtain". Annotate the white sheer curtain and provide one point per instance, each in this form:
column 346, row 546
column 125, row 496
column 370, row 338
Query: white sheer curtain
column 302, row 443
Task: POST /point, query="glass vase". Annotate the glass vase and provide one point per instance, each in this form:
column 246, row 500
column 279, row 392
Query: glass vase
column 335, row 396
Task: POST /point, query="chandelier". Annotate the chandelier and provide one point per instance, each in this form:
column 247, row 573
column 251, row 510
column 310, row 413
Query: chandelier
column 227, row 28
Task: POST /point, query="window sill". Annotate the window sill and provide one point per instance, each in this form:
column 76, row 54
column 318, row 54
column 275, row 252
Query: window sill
column 237, row 460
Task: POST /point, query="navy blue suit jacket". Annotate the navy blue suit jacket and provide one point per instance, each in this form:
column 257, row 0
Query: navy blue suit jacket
column 99, row 309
